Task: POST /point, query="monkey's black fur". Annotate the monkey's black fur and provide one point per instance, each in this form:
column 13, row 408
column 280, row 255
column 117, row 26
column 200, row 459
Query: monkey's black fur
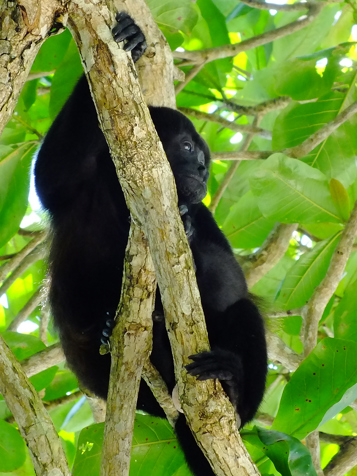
column 77, row 184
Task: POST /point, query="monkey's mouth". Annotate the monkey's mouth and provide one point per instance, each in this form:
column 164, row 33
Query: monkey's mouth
column 191, row 187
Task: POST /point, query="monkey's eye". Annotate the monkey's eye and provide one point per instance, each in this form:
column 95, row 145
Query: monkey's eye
column 188, row 146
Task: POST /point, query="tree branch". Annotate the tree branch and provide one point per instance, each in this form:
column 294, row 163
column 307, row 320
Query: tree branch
column 270, row 253
column 43, row 360
column 322, row 134
column 261, row 108
column 344, row 460
column 188, row 77
column 280, row 353
column 30, row 306
column 220, row 52
column 160, row 391
column 313, row 444
column 327, row 287
column 148, row 185
column 131, row 347
column 25, row 27
column 36, row 254
column 9, row 267
column 35, row 425
column 295, row 7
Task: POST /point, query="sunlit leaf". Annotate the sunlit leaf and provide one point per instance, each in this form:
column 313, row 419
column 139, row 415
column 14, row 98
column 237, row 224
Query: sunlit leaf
column 302, row 278
column 301, row 193
column 14, row 189
column 323, row 385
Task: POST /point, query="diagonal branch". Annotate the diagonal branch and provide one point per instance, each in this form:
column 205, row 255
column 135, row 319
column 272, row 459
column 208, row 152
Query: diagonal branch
column 15, row 261
column 322, row 134
column 261, row 108
column 344, row 460
column 37, row 253
column 270, row 253
column 220, row 52
column 35, row 425
column 325, row 290
column 294, row 7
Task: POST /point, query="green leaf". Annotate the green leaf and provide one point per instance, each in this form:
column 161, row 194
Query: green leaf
column 155, row 449
column 65, row 78
column 29, row 93
column 345, row 323
column 322, row 231
column 89, row 451
column 301, row 280
column 44, row 378
column 307, row 39
column 269, row 285
column 14, row 189
column 23, row 345
column 323, row 385
column 63, row 383
column 245, row 226
column 300, row 80
column 13, row 133
column 174, row 16
column 289, row 455
column 51, row 53
column 301, row 193
column 340, row 198
column 79, row 416
column 12, row 448
column 195, row 94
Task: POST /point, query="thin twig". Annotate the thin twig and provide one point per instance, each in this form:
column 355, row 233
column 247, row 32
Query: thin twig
column 238, row 155
column 294, row 7
column 98, row 407
column 36, row 254
column 290, row 312
column 188, row 77
column 334, row 439
column 225, row 51
column 261, row 108
column 160, row 391
column 45, row 316
column 30, row 306
column 244, row 128
column 7, row 268
column 232, row 170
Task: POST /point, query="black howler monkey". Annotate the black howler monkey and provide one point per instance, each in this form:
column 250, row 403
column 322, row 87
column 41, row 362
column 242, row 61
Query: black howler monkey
column 77, row 183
